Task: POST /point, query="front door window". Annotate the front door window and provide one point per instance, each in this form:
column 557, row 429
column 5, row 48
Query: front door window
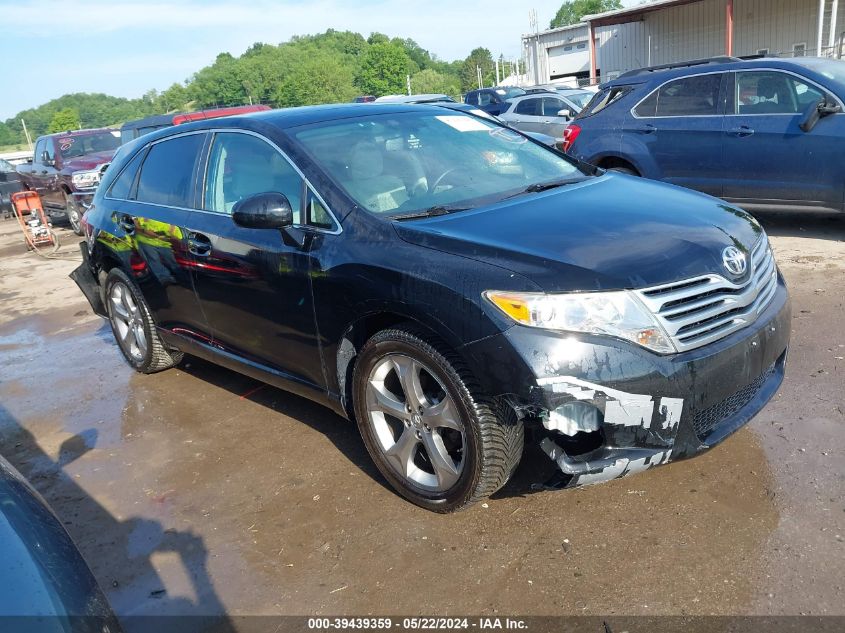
column 242, row 165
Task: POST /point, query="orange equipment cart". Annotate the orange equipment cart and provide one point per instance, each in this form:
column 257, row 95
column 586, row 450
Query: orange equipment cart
column 36, row 229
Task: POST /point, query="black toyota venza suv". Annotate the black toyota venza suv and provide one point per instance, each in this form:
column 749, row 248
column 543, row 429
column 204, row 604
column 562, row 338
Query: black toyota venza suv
column 444, row 281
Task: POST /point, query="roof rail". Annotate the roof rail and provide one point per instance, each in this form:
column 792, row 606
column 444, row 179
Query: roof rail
column 723, row 59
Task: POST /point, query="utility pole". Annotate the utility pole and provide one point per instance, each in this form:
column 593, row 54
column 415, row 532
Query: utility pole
column 535, row 26
column 498, row 79
column 408, row 83
column 26, row 133
column 478, row 73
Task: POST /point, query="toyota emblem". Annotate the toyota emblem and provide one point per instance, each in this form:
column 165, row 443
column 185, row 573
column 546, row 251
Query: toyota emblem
column 734, row 260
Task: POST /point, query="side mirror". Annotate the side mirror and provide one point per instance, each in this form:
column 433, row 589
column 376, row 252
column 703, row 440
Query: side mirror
column 815, row 111
column 566, row 114
column 269, row 210
column 45, row 158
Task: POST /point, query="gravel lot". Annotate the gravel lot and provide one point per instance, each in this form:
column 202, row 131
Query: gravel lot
column 200, row 491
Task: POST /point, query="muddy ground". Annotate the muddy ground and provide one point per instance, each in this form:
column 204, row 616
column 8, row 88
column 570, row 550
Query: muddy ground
column 200, row 491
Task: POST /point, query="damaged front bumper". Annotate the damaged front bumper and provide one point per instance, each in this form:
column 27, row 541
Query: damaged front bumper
column 635, row 409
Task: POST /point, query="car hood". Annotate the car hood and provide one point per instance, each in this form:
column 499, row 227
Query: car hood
column 89, row 161
column 606, row 233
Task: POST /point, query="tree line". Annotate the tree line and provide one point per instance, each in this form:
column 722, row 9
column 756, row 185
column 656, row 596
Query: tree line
column 331, row 67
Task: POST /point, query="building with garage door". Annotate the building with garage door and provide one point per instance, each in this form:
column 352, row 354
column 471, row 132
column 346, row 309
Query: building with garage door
column 668, row 31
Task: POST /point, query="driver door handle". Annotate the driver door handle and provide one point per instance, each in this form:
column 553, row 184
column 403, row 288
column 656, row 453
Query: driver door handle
column 648, row 128
column 199, row 244
column 741, row 131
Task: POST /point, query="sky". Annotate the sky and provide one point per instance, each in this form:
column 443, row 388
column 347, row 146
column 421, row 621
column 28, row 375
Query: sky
column 126, row 47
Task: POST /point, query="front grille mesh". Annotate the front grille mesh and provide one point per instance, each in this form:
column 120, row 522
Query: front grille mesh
column 706, row 419
column 698, row 311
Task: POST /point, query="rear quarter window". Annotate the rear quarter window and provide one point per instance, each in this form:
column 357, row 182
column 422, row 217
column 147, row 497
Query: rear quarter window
column 604, row 99
column 123, row 186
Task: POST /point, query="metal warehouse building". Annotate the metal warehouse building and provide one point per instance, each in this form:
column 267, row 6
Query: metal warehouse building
column 606, row 45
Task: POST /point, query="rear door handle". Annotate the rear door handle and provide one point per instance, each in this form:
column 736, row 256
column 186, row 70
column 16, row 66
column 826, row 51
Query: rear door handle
column 648, row 128
column 741, row 131
column 199, row 244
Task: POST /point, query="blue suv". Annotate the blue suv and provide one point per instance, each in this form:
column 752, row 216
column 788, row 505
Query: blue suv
column 764, row 133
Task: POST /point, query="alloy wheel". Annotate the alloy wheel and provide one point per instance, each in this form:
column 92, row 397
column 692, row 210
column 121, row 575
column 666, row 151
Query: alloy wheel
column 416, row 423
column 128, row 321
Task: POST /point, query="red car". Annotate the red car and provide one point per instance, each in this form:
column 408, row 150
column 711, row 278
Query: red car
column 65, row 170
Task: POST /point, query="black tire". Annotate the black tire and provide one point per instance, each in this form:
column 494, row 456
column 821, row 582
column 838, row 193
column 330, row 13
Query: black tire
column 494, row 436
column 155, row 356
column 623, row 170
column 74, row 213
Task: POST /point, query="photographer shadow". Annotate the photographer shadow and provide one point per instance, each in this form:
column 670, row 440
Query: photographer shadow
column 119, row 551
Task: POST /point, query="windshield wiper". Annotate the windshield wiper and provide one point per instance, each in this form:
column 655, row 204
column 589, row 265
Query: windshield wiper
column 537, row 187
column 429, row 213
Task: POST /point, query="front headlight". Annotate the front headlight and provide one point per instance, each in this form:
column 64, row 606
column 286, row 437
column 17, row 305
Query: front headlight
column 617, row 314
column 86, row 178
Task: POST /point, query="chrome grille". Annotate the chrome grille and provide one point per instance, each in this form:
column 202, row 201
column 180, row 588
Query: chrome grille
column 698, row 311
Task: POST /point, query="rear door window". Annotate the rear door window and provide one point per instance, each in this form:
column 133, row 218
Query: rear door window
column 471, row 98
column 167, row 176
column 688, row 96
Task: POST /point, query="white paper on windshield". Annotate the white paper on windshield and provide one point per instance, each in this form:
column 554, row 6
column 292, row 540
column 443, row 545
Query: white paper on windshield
column 463, row 123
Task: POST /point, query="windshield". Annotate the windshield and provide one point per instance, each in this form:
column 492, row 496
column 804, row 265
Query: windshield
column 84, row 144
column 401, row 164
column 830, row 68
column 6, row 166
column 510, row 93
column 579, row 98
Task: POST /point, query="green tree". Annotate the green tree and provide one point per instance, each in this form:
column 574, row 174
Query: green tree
column 320, row 78
column 572, row 12
column 479, row 58
column 63, row 120
column 430, row 81
column 175, row 98
column 384, row 68
column 219, row 84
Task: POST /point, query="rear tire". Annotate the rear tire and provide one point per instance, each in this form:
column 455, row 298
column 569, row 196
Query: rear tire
column 466, row 448
column 133, row 326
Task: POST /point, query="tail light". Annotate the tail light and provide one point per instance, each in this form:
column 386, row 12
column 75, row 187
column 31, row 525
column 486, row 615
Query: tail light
column 569, row 135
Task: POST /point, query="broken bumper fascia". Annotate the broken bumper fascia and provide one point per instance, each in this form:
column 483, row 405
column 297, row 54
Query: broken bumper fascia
column 649, row 403
column 84, row 277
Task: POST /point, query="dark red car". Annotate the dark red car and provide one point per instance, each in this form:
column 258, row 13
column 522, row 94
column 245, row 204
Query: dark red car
column 65, row 170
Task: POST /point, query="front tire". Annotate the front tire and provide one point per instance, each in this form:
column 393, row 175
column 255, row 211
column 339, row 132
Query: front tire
column 438, row 441
column 133, row 326
column 73, row 213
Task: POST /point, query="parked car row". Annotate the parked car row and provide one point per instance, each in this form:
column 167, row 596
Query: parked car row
column 10, row 182
column 65, row 168
column 538, row 109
